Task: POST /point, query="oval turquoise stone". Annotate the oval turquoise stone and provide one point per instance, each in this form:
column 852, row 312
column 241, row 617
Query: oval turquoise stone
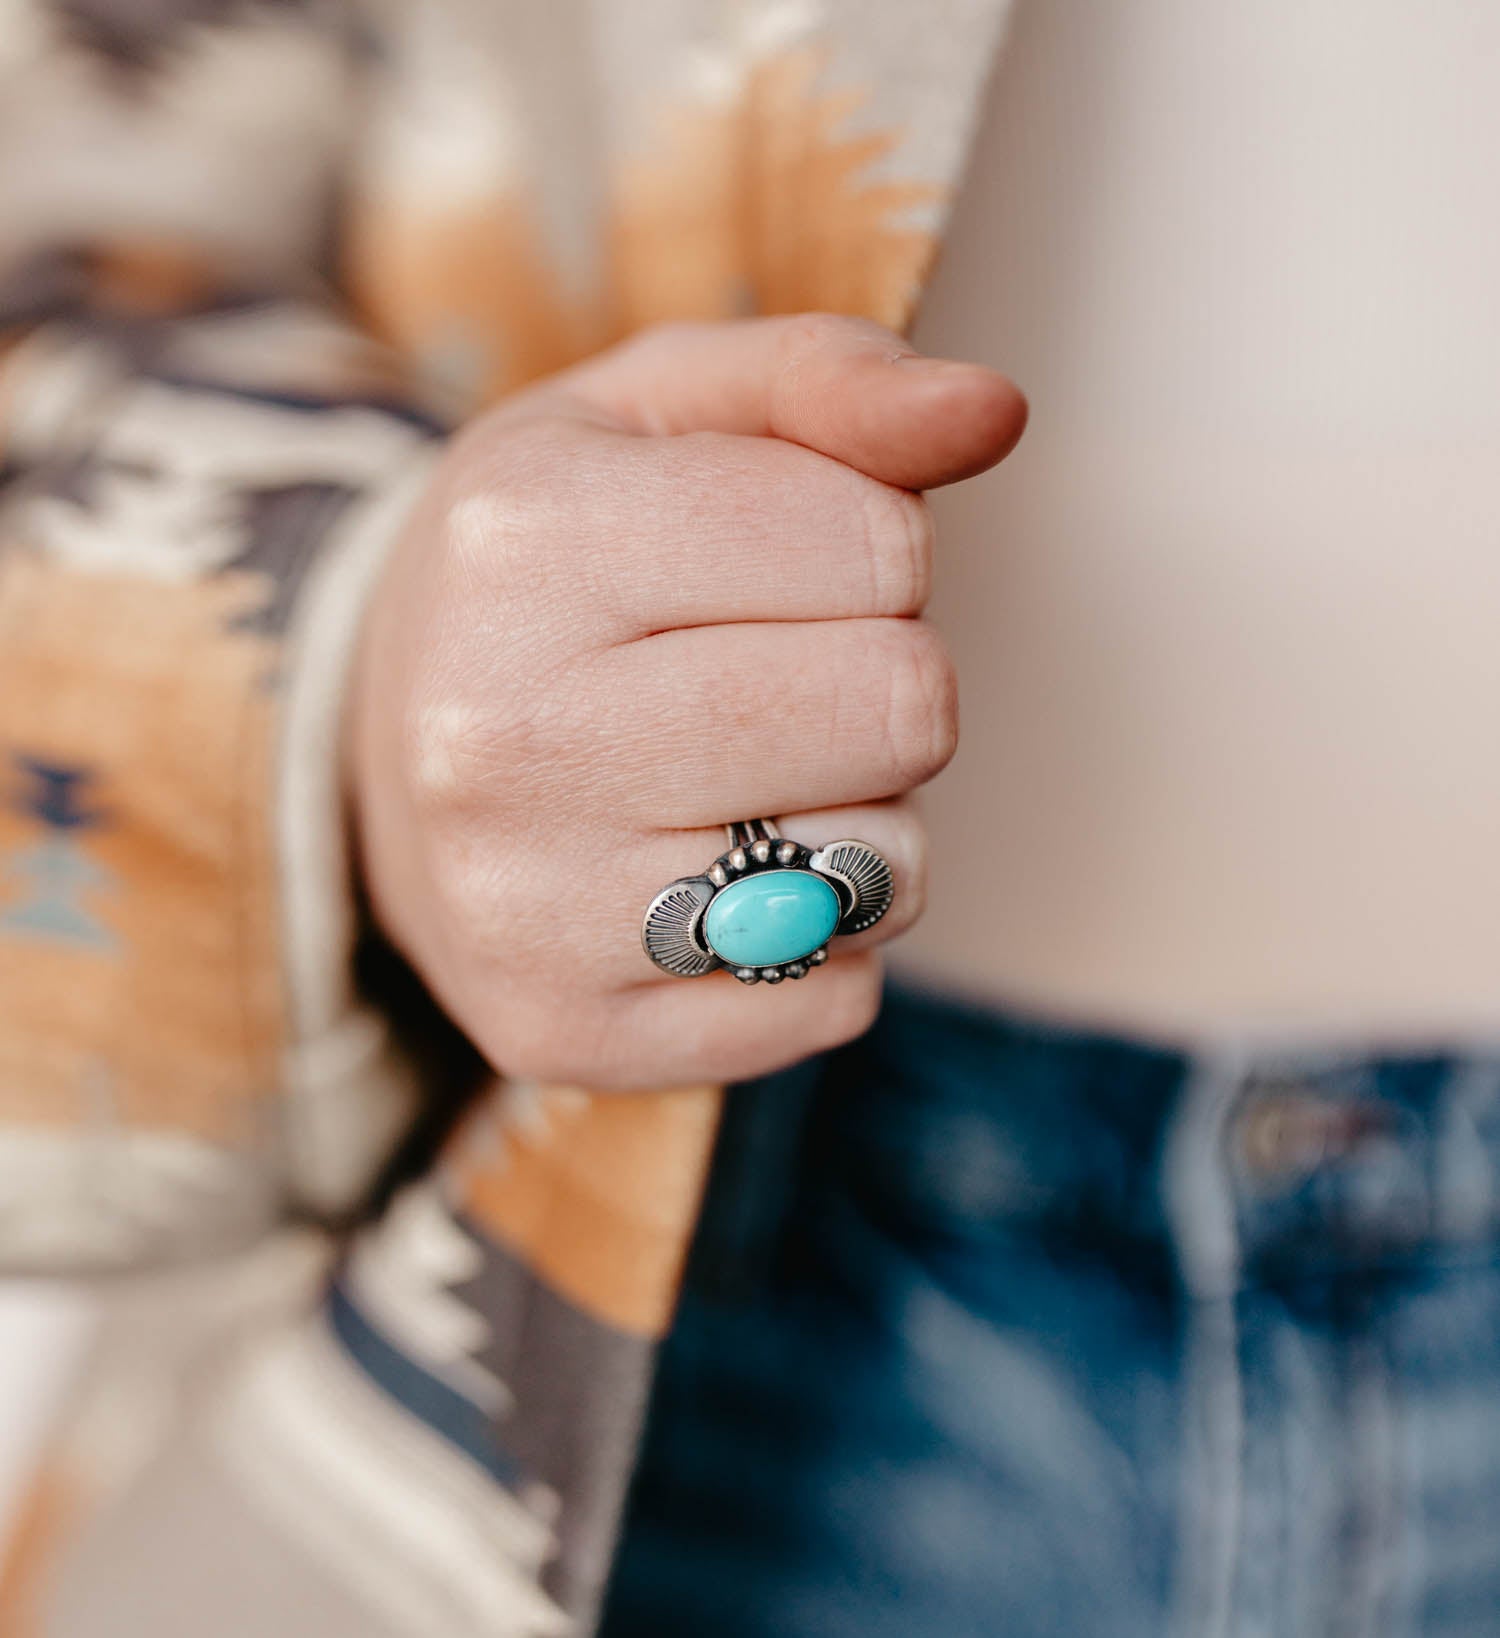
column 772, row 918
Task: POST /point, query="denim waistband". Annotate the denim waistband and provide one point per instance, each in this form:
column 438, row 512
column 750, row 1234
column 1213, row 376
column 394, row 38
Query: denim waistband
column 1222, row 1165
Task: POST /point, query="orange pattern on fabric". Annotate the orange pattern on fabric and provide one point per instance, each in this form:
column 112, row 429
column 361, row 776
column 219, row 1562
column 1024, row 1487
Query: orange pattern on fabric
column 148, row 277
column 767, row 206
column 45, row 1522
column 463, row 292
column 178, row 1024
column 597, row 1193
column 763, row 205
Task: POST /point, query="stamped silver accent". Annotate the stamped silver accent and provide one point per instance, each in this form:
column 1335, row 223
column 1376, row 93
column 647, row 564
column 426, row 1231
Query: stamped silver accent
column 671, row 931
column 866, row 877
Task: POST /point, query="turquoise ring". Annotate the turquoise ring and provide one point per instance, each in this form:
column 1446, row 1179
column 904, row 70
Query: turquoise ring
column 767, row 908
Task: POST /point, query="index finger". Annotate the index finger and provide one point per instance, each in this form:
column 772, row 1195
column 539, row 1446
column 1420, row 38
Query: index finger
column 844, row 387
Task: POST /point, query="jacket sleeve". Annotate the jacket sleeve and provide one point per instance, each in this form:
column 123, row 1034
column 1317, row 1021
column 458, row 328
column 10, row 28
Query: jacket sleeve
column 202, row 461
column 190, row 513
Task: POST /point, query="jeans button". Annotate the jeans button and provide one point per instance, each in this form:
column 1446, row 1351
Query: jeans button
column 1287, row 1133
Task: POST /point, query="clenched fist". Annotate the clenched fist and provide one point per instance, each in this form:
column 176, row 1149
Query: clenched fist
column 674, row 587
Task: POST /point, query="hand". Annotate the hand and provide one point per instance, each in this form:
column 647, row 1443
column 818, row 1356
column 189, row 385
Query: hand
column 673, row 587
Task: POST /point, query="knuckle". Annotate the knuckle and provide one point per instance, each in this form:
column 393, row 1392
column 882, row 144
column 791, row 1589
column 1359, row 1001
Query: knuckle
column 805, row 333
column 445, row 751
column 899, row 536
column 478, row 533
column 504, row 491
column 922, row 706
column 468, row 887
column 469, row 525
column 476, row 742
column 797, row 341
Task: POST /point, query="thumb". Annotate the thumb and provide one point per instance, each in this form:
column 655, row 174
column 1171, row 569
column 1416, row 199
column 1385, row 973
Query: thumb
column 844, row 387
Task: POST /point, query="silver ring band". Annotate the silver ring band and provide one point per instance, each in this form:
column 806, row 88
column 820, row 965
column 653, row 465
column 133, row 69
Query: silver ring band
column 747, row 832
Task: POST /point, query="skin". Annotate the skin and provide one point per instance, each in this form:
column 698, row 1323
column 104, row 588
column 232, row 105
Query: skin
column 678, row 585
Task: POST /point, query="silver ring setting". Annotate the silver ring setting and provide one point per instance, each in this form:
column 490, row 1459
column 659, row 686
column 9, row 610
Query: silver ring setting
column 767, row 907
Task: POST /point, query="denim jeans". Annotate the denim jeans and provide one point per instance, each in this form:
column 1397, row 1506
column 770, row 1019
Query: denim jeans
column 995, row 1331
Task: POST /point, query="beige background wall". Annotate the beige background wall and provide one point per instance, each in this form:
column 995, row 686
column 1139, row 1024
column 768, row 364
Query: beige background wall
column 1227, row 621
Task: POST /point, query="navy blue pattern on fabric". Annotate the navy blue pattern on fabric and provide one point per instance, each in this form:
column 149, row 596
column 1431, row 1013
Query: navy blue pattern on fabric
column 446, row 1411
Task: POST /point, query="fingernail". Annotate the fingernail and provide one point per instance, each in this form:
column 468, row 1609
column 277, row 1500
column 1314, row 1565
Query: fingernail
column 935, row 367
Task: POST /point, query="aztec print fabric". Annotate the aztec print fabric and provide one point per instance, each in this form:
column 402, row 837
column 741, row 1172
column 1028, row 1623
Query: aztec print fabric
column 254, row 259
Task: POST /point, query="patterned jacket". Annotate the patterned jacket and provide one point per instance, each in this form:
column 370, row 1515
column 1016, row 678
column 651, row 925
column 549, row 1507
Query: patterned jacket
column 255, row 257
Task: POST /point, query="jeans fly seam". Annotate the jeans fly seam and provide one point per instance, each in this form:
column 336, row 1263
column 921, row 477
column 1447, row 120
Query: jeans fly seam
column 1199, row 1207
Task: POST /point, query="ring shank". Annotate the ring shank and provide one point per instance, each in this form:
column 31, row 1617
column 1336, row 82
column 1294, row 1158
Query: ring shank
column 747, row 832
